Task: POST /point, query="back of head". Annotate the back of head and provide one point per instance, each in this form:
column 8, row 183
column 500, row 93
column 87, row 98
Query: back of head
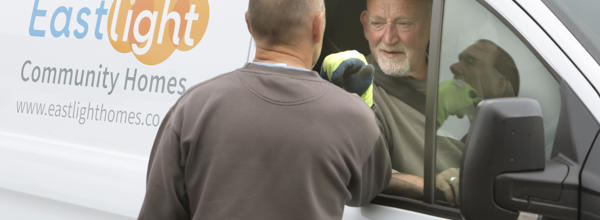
column 279, row 21
column 506, row 66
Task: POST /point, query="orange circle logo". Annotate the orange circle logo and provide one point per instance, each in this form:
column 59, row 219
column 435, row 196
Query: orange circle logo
column 153, row 29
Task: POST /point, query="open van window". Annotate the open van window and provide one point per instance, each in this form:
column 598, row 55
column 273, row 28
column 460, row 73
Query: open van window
column 394, row 36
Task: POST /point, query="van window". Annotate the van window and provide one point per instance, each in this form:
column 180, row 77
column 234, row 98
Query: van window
column 396, row 42
column 482, row 59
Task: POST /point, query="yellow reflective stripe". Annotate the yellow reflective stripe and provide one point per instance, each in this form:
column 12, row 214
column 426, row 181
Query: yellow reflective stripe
column 367, row 96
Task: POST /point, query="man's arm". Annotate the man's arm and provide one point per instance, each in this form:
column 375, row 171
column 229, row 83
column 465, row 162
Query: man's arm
column 165, row 188
column 405, row 185
column 374, row 176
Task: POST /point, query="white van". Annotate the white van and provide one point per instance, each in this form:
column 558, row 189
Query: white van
column 85, row 85
column 89, row 100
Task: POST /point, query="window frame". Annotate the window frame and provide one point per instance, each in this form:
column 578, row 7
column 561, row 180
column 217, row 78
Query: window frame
column 571, row 25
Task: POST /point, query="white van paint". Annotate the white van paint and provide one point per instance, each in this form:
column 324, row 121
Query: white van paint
column 65, row 167
column 377, row 212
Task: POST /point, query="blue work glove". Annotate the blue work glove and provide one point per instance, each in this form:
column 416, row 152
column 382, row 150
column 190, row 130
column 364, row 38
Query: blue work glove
column 456, row 97
column 350, row 71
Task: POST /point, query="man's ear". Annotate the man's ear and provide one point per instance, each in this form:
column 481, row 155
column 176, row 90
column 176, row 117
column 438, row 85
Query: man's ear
column 364, row 20
column 318, row 27
column 248, row 24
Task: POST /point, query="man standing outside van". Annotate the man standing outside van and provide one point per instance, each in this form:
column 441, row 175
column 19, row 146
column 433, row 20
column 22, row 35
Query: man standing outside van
column 271, row 140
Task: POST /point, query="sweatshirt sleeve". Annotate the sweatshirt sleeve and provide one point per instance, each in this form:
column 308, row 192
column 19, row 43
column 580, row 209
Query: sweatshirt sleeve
column 165, row 188
column 373, row 177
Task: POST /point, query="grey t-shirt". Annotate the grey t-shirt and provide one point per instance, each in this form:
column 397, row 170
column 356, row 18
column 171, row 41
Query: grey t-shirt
column 265, row 143
column 400, row 110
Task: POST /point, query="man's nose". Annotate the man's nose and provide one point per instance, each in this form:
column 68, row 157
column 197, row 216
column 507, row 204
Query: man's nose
column 390, row 36
column 457, row 69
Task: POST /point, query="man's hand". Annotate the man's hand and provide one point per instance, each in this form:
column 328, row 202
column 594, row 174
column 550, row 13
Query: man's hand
column 455, row 98
column 350, row 70
column 447, row 182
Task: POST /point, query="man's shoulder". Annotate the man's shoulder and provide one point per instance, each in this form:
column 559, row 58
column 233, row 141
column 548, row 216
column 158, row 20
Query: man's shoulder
column 399, row 93
column 217, row 84
column 351, row 101
column 195, row 97
column 350, row 110
column 218, row 81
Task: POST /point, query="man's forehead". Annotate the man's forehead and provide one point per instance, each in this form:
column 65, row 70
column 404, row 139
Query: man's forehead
column 396, row 8
column 480, row 50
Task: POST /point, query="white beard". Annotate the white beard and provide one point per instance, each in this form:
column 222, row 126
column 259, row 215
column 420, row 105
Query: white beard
column 393, row 67
column 396, row 67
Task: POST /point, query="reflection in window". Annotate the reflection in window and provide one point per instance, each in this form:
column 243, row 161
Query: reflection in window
column 482, row 59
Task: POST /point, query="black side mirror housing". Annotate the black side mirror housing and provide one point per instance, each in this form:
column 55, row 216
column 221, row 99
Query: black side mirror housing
column 507, row 135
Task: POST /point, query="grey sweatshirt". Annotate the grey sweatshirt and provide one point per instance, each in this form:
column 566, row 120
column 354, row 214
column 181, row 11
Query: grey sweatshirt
column 265, row 143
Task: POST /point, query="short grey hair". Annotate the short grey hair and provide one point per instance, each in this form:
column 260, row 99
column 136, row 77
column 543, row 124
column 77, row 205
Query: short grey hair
column 277, row 21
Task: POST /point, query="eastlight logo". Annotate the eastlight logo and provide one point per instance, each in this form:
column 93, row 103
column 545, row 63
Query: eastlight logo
column 151, row 29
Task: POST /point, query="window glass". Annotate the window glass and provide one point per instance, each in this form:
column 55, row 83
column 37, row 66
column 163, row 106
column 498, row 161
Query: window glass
column 482, row 59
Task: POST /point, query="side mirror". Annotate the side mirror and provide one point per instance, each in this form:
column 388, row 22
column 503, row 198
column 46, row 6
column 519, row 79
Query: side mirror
column 507, row 135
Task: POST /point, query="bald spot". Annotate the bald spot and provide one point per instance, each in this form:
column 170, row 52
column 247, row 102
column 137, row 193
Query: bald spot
column 277, row 22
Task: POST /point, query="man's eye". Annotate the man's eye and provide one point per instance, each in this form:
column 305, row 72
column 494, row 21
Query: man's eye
column 377, row 24
column 404, row 25
column 470, row 61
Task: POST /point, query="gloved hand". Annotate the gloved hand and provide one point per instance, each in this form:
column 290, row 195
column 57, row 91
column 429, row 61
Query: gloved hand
column 447, row 182
column 350, row 70
column 455, row 97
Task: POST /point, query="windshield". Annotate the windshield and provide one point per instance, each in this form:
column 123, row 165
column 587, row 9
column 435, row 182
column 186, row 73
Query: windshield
column 581, row 18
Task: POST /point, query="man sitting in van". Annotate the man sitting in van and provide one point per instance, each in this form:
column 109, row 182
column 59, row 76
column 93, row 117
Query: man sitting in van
column 398, row 34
